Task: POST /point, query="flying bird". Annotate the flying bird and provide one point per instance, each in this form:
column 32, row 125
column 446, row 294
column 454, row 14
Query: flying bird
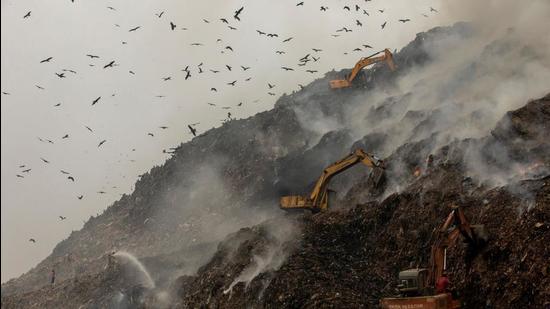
column 71, row 178
column 316, row 50
column 65, row 136
column 286, row 40
column 366, row 13
column 101, row 143
column 287, row 69
column 196, row 44
column 213, row 89
column 89, row 129
column 347, row 8
column 66, row 70
column 260, row 32
column 27, row 170
column 245, row 68
column 232, row 28
column 32, row 240
column 134, row 29
column 96, row 100
column 381, row 11
column 228, row 67
column 64, row 172
column 92, row 56
column 367, row 46
column 431, row 10
column 159, row 15
column 109, row 65
column 80, row 197
column 150, row 134
column 62, row 218
column 224, row 20
column 206, row 21
column 271, row 93
column 404, row 20
column 193, row 130
column 27, row 15
column 187, row 75
column 60, row 75
column 300, row 3
column 164, row 127
column 167, row 78
column 45, row 161
column 109, row 7
column 172, row 26
column 131, row 72
column 280, row 52
column 358, row 23
column 237, row 13
column 232, row 83
column 46, row 60
column 311, row 71
column 384, row 25
column 270, row 85
column 20, row 176
column 229, row 47
column 324, row 8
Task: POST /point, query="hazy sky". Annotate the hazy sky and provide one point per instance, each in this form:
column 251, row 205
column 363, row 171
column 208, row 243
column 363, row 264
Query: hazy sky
column 129, row 108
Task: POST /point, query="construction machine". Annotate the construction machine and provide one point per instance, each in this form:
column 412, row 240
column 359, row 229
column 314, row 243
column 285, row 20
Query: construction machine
column 417, row 286
column 363, row 62
column 318, row 199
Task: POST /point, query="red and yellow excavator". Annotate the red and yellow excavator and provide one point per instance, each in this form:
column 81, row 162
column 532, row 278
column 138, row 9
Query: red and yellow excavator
column 417, row 286
column 363, row 62
column 318, row 198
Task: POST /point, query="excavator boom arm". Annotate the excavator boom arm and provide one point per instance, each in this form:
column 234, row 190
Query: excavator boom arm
column 363, row 62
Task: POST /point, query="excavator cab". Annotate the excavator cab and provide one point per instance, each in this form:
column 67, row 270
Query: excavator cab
column 413, row 282
column 363, row 62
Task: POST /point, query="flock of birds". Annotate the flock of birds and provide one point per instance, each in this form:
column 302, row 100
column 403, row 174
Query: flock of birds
column 189, row 72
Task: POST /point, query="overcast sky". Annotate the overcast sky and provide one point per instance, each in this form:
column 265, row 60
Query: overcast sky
column 129, row 108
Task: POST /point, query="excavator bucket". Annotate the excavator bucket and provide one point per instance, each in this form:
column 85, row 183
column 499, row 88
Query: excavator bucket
column 389, row 59
column 339, row 83
column 377, row 175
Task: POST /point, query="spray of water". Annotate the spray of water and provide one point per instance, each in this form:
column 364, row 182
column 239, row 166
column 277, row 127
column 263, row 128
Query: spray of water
column 148, row 281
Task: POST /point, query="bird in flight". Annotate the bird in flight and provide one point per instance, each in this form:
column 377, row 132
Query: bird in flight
column 101, row 143
column 237, row 13
column 60, row 75
column 27, row 15
column 300, row 3
column 109, row 65
column 96, row 100
column 311, row 71
column 20, row 176
column 384, row 25
column 270, row 85
column 224, row 20
column 229, row 47
column 66, row 70
column 150, row 134
column 71, row 178
column 46, row 60
column 172, row 26
column 286, row 40
column 232, row 83
column 316, row 50
column 287, row 69
column 92, row 56
column 245, row 68
column 213, row 89
column 260, row 32
column 45, row 161
column 80, row 197
column 164, row 127
column 187, row 75
column 26, row 171
column 367, row 46
column 159, row 15
column 134, row 29
column 404, row 20
column 228, row 67
column 431, row 10
column 271, row 93
column 193, row 130
column 89, row 129
column 324, row 8
column 32, row 240
column 110, row 8
column 64, row 172
column 358, row 23
column 62, row 218
column 347, row 8
column 167, row 78
column 381, row 11
column 65, row 136
column 280, row 52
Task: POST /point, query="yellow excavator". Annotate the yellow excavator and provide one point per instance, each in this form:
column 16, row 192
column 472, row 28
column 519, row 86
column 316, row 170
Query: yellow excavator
column 363, row 62
column 418, row 286
column 318, row 198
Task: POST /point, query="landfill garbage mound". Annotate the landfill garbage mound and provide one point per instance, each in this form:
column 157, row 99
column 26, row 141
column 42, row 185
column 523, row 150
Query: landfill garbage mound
column 207, row 228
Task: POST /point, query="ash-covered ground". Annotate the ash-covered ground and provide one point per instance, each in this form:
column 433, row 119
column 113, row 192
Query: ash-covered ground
column 207, row 228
